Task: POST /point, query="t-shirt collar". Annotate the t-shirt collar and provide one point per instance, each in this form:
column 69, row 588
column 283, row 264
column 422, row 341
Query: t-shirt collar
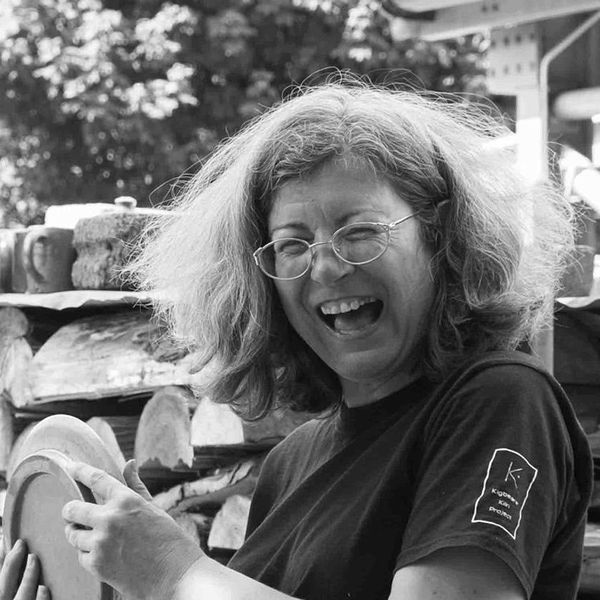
column 353, row 420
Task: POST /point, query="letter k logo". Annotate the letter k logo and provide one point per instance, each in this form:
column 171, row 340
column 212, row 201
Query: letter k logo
column 513, row 474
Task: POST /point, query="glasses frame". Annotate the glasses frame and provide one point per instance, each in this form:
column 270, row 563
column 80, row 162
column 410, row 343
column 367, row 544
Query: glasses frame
column 388, row 227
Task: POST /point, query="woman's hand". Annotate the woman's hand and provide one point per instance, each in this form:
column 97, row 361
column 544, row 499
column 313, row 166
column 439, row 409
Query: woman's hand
column 125, row 540
column 19, row 584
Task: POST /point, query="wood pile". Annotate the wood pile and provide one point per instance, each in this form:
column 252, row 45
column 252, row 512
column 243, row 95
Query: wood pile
column 114, row 368
column 105, row 243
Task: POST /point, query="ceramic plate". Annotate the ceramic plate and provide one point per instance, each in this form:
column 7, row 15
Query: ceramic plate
column 73, row 438
column 39, row 488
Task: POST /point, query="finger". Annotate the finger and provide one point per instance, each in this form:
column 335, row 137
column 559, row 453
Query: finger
column 81, row 539
column 29, row 582
column 132, row 478
column 19, row 547
column 10, row 576
column 43, row 593
column 100, row 482
column 82, row 513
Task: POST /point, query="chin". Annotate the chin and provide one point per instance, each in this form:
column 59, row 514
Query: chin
column 364, row 366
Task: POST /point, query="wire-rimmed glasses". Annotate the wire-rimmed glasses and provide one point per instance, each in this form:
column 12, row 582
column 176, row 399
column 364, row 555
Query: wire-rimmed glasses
column 356, row 244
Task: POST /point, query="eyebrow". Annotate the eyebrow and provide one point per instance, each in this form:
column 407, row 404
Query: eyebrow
column 340, row 223
column 292, row 225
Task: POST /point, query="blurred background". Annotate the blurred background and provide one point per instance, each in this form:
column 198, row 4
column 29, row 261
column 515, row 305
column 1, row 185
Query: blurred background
column 107, row 102
column 101, row 98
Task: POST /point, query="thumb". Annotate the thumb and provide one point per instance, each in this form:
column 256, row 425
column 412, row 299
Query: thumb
column 132, row 478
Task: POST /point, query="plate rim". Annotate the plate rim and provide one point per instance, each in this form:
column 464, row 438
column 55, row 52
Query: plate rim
column 100, row 457
column 51, row 462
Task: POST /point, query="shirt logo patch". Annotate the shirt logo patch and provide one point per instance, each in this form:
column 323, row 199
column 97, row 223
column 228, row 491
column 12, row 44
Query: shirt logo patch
column 505, row 490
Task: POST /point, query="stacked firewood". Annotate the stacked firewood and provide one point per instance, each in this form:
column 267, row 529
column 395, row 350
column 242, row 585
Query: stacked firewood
column 115, row 369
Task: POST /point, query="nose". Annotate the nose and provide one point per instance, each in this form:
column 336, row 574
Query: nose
column 326, row 267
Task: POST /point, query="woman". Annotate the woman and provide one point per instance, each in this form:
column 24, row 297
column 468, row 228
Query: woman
column 375, row 254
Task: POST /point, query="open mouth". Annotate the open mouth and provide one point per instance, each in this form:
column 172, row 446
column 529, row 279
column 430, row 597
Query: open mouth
column 351, row 315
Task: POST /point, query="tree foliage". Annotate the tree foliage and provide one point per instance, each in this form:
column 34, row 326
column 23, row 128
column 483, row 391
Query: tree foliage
column 106, row 97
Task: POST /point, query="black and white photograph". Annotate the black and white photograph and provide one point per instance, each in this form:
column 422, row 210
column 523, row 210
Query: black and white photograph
column 299, row 299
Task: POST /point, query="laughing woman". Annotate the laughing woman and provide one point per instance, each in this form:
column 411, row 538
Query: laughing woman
column 374, row 255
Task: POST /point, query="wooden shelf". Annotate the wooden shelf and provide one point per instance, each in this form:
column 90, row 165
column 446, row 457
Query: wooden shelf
column 85, row 298
column 76, row 299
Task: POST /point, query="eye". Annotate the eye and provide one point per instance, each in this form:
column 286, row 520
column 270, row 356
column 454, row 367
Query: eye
column 361, row 231
column 289, row 247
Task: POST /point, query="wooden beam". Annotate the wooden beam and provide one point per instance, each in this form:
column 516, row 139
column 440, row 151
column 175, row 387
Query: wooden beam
column 425, row 5
column 455, row 21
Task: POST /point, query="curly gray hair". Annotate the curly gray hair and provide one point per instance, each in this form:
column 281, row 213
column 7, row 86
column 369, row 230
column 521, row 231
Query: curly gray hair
column 499, row 243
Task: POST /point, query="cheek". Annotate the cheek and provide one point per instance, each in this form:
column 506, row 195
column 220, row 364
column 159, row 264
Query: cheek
column 289, row 297
column 412, row 286
column 421, row 288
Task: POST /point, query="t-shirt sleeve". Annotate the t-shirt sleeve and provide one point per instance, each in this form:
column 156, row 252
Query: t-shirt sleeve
column 283, row 465
column 494, row 471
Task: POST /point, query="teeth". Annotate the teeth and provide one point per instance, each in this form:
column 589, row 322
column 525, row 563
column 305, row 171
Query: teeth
column 343, row 306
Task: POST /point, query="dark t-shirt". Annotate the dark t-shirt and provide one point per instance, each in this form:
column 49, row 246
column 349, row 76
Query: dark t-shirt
column 492, row 458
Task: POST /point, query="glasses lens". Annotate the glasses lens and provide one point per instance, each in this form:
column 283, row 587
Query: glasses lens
column 361, row 242
column 285, row 258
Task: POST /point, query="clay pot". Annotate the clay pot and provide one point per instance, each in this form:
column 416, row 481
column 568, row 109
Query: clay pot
column 48, row 256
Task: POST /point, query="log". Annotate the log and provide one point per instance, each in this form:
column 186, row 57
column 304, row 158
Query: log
column 218, row 436
column 163, row 433
column 229, row 526
column 6, row 433
column 105, row 244
column 119, row 430
column 218, row 425
column 15, row 356
column 107, row 355
column 13, row 323
column 211, row 490
column 15, row 359
column 107, row 435
column 215, row 425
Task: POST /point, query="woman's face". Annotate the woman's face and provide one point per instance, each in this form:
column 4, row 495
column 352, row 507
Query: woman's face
column 365, row 322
